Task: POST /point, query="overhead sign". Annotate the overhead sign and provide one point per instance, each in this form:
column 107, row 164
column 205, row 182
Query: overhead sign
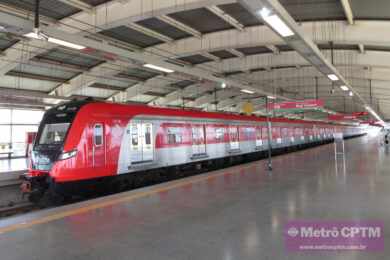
column 304, row 104
column 247, row 108
column 352, row 116
column 342, row 117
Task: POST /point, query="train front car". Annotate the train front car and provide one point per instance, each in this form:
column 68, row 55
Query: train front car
column 48, row 148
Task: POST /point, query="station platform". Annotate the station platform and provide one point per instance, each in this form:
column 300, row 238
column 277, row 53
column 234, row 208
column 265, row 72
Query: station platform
column 13, row 165
column 234, row 213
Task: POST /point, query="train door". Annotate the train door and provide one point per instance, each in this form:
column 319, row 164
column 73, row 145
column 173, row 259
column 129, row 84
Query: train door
column 147, row 142
column 142, row 147
column 98, row 147
column 198, row 140
column 233, row 138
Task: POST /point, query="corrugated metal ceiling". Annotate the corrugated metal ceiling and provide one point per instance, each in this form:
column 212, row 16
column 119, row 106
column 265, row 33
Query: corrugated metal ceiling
column 311, row 10
column 222, row 54
column 96, row 2
column 163, row 28
column 371, row 10
column 50, row 8
column 45, row 71
column 238, row 12
column 70, row 57
column 138, row 73
column 131, row 36
column 202, row 20
column 6, row 43
column 195, row 59
column 254, row 50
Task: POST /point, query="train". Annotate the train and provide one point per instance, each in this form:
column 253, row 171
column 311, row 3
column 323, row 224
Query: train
column 80, row 144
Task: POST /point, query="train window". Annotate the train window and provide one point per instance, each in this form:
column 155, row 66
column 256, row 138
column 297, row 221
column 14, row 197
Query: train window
column 98, row 134
column 54, row 133
column 134, row 135
column 219, row 134
column 174, row 135
column 148, row 131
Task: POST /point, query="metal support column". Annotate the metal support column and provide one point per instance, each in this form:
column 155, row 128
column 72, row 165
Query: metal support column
column 269, row 137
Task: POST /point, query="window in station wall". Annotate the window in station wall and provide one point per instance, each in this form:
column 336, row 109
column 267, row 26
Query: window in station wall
column 14, row 125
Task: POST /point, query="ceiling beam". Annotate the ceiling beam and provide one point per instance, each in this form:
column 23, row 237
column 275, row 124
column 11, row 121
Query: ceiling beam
column 348, row 11
column 25, row 93
column 149, row 32
column 26, row 75
column 368, row 33
column 210, row 56
column 236, row 53
column 196, row 88
column 226, row 17
column 133, row 11
column 361, row 48
column 181, row 26
column 79, row 4
column 371, row 59
column 273, row 48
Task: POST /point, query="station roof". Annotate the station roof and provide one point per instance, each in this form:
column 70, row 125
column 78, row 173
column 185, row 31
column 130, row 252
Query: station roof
column 209, row 41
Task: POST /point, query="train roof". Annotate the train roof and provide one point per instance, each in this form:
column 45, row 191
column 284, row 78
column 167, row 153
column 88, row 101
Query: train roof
column 140, row 109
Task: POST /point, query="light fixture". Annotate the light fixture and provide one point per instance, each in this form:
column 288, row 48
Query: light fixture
column 333, row 77
column 373, row 113
column 350, row 93
column 275, row 22
column 155, row 67
column 34, row 35
column 247, row 91
column 41, row 36
column 271, row 97
column 223, row 85
column 345, row 88
column 65, row 43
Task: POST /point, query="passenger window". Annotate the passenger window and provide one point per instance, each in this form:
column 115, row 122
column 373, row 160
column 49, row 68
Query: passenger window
column 147, row 135
column 219, row 134
column 134, row 135
column 98, row 134
column 174, row 135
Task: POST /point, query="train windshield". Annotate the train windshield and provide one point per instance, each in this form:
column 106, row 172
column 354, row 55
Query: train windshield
column 54, row 133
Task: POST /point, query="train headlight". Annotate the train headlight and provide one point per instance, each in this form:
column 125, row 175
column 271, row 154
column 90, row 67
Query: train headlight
column 67, row 155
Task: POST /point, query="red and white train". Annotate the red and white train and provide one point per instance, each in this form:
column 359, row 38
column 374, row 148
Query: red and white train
column 84, row 141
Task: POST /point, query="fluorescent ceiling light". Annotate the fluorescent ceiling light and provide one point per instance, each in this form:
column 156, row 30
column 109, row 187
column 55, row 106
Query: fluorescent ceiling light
column 333, row 77
column 151, row 66
column 247, row 91
column 41, row 36
column 276, row 23
column 65, row 43
column 351, row 93
column 271, row 97
column 34, row 35
column 345, row 88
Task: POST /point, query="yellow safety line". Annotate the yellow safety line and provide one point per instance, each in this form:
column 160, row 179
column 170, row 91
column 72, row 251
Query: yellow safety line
column 103, row 204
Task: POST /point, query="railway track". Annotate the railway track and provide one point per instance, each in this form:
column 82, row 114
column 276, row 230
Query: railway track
column 16, row 208
column 11, row 201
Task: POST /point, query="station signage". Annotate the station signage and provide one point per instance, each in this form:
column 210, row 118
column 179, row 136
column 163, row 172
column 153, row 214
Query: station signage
column 346, row 117
column 304, row 104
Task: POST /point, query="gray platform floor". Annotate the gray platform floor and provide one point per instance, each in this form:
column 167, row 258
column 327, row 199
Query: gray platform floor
column 235, row 213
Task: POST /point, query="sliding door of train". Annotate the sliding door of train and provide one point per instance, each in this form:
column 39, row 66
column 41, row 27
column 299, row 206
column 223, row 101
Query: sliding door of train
column 233, row 138
column 142, row 145
column 198, row 140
